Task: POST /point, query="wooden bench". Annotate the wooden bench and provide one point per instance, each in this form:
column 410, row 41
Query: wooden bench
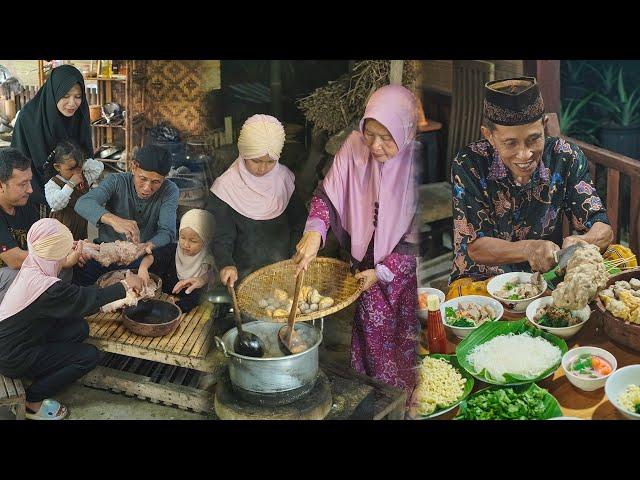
column 12, row 394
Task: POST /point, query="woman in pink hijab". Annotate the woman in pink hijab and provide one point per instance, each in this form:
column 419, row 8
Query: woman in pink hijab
column 42, row 323
column 259, row 217
column 369, row 200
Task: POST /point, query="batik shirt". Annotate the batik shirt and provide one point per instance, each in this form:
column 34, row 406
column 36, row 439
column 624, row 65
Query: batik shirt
column 488, row 203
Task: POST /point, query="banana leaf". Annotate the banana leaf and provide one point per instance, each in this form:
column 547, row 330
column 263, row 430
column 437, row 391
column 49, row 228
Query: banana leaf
column 490, row 330
column 551, row 406
column 468, row 386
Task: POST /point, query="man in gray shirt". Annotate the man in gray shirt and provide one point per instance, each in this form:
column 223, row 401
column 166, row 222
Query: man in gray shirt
column 139, row 207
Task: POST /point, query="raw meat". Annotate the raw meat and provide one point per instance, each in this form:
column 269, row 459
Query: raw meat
column 120, row 252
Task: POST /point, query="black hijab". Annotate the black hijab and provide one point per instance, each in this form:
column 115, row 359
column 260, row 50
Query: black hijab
column 40, row 125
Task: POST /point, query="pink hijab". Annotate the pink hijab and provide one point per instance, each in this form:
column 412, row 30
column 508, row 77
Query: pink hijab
column 37, row 274
column 356, row 181
column 259, row 198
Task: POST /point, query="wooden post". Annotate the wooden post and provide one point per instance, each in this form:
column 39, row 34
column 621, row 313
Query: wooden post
column 547, row 72
column 228, row 131
column 395, row 75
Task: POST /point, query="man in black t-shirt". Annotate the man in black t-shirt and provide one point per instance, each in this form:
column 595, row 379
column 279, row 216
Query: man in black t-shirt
column 17, row 214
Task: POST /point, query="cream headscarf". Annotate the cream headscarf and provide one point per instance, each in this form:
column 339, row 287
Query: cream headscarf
column 203, row 223
column 258, row 198
column 49, row 242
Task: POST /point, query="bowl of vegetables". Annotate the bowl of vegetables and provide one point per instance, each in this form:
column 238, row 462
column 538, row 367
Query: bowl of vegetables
column 423, row 292
column 516, row 290
column 462, row 315
column 623, row 391
column 559, row 321
column 588, row 368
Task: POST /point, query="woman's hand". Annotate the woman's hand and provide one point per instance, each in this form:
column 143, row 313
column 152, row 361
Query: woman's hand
column 191, row 284
column 539, row 254
column 229, row 276
column 306, row 250
column 134, row 282
column 74, row 256
column 370, row 278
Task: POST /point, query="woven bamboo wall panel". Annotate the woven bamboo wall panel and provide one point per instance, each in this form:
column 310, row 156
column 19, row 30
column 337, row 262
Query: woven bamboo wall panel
column 176, row 90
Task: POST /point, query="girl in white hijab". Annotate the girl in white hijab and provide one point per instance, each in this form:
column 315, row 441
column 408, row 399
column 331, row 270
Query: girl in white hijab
column 186, row 267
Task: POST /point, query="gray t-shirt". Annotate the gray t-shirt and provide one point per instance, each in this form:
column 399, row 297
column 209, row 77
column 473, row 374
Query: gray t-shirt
column 116, row 194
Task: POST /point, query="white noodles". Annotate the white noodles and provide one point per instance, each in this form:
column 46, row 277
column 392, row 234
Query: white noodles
column 522, row 355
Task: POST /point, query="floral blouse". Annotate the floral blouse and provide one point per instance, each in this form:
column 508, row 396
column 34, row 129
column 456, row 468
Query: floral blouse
column 488, row 203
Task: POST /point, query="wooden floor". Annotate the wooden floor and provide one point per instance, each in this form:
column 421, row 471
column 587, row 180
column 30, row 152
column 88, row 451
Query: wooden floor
column 190, row 345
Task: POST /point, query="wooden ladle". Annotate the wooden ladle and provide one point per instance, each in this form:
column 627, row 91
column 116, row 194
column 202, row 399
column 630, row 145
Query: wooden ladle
column 290, row 341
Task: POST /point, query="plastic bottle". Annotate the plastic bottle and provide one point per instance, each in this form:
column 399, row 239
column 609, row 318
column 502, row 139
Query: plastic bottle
column 436, row 336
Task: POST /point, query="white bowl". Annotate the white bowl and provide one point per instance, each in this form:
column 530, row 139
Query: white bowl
column 424, row 313
column 583, row 383
column 512, row 306
column 462, row 332
column 618, row 382
column 564, row 332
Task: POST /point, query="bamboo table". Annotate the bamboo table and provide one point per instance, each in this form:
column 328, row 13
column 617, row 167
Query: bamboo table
column 188, row 347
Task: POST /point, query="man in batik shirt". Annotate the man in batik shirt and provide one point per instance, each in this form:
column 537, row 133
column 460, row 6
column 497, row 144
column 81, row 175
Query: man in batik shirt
column 511, row 190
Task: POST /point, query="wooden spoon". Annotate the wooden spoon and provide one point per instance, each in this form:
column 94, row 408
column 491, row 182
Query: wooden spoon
column 290, row 341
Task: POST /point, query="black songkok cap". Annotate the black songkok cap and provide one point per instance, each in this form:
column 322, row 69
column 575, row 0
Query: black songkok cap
column 513, row 101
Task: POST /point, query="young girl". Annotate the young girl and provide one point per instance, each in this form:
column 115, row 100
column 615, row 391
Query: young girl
column 187, row 267
column 70, row 178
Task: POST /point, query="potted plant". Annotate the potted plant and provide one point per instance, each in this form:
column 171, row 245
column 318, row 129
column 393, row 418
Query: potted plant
column 573, row 78
column 573, row 124
column 621, row 130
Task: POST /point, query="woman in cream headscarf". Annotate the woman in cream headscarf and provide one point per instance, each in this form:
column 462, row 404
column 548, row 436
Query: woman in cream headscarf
column 42, row 323
column 185, row 268
column 259, row 217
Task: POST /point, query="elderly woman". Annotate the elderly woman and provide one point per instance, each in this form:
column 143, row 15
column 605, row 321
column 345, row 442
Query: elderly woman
column 58, row 112
column 369, row 200
column 259, row 217
column 42, row 323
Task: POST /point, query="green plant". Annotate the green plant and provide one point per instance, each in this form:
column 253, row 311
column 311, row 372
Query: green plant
column 607, row 76
column 624, row 109
column 573, row 70
column 573, row 124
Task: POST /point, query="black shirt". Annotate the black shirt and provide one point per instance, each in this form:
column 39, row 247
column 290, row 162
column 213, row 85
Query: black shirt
column 251, row 244
column 14, row 228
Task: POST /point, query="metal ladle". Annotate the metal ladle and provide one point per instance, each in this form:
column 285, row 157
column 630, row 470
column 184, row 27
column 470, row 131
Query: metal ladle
column 290, row 341
column 246, row 343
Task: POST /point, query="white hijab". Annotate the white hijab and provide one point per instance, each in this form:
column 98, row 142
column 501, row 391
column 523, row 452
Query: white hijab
column 203, row 223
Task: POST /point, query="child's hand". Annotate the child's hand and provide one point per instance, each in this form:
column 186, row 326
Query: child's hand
column 77, row 178
column 190, row 283
column 144, row 276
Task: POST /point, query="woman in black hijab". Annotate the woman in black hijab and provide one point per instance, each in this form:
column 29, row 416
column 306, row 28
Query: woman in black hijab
column 58, row 112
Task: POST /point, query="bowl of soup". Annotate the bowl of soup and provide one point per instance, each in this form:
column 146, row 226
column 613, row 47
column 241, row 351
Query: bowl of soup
column 588, row 368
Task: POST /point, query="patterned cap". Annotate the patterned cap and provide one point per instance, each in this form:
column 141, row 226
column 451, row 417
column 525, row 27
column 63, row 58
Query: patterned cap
column 513, row 101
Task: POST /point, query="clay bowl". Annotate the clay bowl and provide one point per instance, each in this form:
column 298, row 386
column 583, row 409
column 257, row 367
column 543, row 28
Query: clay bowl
column 152, row 318
column 110, row 278
column 624, row 333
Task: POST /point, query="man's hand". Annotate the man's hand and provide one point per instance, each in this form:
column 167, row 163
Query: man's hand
column 572, row 240
column 229, row 276
column 370, row 278
column 190, row 284
column 129, row 228
column 539, row 254
column 306, row 250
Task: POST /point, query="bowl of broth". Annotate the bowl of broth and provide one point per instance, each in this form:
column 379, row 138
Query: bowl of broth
column 588, row 368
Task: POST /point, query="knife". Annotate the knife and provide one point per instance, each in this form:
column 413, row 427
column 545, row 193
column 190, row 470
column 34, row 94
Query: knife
column 562, row 257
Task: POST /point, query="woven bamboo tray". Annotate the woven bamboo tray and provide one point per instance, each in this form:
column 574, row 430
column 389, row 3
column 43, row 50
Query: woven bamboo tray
column 332, row 278
column 624, row 333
